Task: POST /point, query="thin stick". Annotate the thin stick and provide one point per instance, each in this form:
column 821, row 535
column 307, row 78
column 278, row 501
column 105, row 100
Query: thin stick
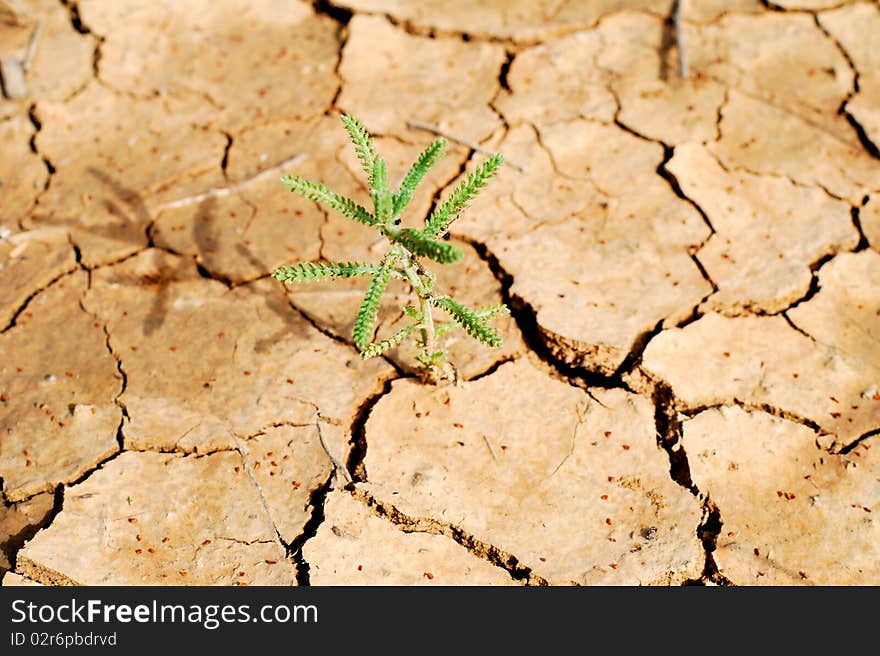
column 489, row 445
column 32, row 47
column 679, row 38
column 220, row 192
column 342, row 469
column 418, row 125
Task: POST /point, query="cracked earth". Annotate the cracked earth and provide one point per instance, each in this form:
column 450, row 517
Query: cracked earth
column 689, row 390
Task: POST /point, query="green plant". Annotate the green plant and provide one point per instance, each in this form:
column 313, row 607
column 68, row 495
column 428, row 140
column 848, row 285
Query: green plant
column 406, row 247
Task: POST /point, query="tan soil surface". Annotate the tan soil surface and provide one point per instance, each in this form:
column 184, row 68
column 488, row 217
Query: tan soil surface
column 689, row 388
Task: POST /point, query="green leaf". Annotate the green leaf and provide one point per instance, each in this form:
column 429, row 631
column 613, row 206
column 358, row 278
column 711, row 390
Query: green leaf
column 363, row 145
column 317, row 192
column 369, row 310
column 419, row 244
column 383, row 199
column 312, row 271
column 442, row 217
column 422, row 165
column 441, row 329
column 410, row 311
column 468, row 319
column 379, row 176
column 491, row 311
column 377, row 348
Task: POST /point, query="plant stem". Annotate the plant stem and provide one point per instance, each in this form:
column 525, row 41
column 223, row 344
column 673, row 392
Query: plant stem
column 422, row 288
column 428, row 320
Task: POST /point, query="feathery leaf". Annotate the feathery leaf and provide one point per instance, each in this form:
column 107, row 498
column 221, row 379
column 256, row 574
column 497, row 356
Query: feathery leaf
column 369, row 310
column 490, row 311
column 317, row 192
column 441, row 218
column 441, row 329
column 383, row 199
column 379, row 176
column 410, row 311
column 468, row 319
column 311, row 271
column 414, row 176
column 419, row 244
column 377, row 348
column 363, row 145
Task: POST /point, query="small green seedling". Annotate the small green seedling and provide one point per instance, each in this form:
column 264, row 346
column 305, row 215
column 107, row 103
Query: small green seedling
column 405, row 248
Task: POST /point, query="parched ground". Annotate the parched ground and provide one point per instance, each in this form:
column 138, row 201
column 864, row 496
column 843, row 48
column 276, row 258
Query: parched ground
column 689, row 390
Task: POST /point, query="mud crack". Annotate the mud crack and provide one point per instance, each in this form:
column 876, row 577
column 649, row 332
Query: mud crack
column 490, row 553
column 859, row 129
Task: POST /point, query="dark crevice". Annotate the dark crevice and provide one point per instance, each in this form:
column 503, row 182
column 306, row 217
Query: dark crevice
column 12, row 543
column 491, row 369
column 120, row 438
column 95, row 467
column 857, row 224
column 209, row 275
column 666, row 174
column 358, row 452
column 78, row 25
column 703, row 272
column 754, row 407
column 35, row 121
column 342, row 18
column 842, row 110
column 75, row 18
column 123, row 384
column 194, row 452
column 661, row 170
column 27, row 301
column 812, row 290
column 864, row 139
column 77, row 256
column 508, row 562
column 225, row 161
column 638, row 348
column 526, row 320
column 708, row 532
column 310, row 529
column 505, row 70
column 695, row 315
column 669, row 436
column 852, row 445
column 339, row 14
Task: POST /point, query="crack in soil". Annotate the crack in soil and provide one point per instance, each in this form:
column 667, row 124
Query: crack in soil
column 537, row 341
column 692, row 411
column 50, row 168
column 341, row 17
column 670, row 439
column 248, row 468
column 859, row 440
column 862, row 135
column 76, row 22
column 317, row 499
column 488, row 552
column 11, row 544
column 358, row 432
column 708, row 532
column 24, row 305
